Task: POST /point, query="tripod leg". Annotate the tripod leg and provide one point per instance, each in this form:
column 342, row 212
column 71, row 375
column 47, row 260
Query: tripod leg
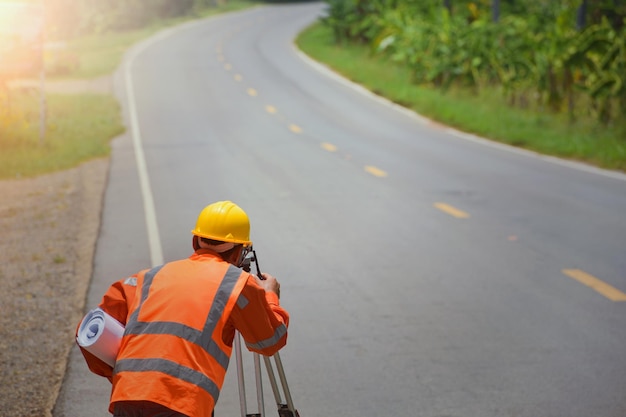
column 283, row 381
column 284, row 410
column 259, row 384
column 272, row 377
column 240, row 380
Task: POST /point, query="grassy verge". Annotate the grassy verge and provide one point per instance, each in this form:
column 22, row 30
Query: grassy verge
column 486, row 114
column 79, row 128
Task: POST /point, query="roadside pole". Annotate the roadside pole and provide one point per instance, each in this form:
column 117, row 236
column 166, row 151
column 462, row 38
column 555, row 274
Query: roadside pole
column 42, row 76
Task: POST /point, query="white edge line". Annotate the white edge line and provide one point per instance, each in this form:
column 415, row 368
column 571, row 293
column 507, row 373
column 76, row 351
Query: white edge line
column 463, row 135
column 154, row 239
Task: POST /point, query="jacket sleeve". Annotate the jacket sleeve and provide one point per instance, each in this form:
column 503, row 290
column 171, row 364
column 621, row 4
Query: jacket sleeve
column 115, row 302
column 260, row 319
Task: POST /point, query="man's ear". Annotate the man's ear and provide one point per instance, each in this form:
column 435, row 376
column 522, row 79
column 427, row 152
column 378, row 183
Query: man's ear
column 194, row 242
column 233, row 256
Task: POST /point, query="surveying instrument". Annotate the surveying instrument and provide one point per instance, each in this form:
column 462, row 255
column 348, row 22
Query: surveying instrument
column 286, row 408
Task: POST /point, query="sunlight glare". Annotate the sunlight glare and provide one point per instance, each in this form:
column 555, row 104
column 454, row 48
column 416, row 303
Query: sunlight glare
column 23, row 19
column 21, row 25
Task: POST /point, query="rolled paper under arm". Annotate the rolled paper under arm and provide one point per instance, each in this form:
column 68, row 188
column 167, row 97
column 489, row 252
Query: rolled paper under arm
column 101, row 335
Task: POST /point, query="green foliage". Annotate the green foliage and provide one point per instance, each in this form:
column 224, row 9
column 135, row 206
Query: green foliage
column 600, row 57
column 534, row 53
column 355, row 20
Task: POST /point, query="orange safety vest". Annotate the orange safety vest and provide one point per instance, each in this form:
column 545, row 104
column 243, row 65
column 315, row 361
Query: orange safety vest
column 172, row 352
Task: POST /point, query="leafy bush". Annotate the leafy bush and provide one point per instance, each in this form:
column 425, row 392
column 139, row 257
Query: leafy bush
column 536, row 55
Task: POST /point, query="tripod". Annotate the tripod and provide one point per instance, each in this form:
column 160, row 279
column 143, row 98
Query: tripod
column 285, row 409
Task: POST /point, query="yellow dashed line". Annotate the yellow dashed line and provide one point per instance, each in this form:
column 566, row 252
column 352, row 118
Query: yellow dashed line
column 602, row 287
column 270, row 109
column 228, row 67
column 452, row 210
column 220, row 58
column 329, row 147
column 295, row 129
column 237, row 77
column 377, row 172
column 252, row 92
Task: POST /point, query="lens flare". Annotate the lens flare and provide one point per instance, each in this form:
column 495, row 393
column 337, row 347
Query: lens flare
column 21, row 28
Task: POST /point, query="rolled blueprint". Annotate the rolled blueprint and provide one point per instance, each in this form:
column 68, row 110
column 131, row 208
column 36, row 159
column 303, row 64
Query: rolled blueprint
column 100, row 335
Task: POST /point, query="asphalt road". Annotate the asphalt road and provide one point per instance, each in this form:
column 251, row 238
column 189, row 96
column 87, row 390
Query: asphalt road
column 427, row 272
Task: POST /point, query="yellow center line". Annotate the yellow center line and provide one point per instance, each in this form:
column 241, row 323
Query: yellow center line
column 329, row 147
column 452, row 211
column 228, row 67
column 295, row 128
column 237, row 77
column 270, row 109
column 600, row 286
column 377, row 172
column 220, row 58
column 252, row 92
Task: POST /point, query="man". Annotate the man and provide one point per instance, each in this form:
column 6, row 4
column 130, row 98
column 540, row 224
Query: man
column 181, row 319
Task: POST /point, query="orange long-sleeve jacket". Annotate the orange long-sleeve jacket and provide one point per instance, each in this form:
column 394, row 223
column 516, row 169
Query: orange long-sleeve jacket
column 180, row 324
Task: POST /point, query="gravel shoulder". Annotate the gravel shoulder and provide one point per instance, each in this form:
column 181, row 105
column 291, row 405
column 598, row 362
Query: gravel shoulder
column 49, row 226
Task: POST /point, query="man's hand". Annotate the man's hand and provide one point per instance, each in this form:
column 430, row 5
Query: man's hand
column 269, row 283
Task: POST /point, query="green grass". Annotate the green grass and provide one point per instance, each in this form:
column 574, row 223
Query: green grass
column 79, row 128
column 486, row 114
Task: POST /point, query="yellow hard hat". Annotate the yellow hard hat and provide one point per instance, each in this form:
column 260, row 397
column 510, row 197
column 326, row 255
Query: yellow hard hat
column 224, row 221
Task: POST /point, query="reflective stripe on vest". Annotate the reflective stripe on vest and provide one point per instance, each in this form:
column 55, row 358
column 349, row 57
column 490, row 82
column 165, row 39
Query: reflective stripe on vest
column 170, row 368
column 201, row 338
column 271, row 341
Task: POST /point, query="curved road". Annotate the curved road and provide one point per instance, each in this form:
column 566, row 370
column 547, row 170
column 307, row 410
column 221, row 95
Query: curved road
column 427, row 272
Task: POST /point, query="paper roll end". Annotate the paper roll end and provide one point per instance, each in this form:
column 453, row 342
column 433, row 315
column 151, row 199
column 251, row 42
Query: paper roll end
column 101, row 335
column 91, row 328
